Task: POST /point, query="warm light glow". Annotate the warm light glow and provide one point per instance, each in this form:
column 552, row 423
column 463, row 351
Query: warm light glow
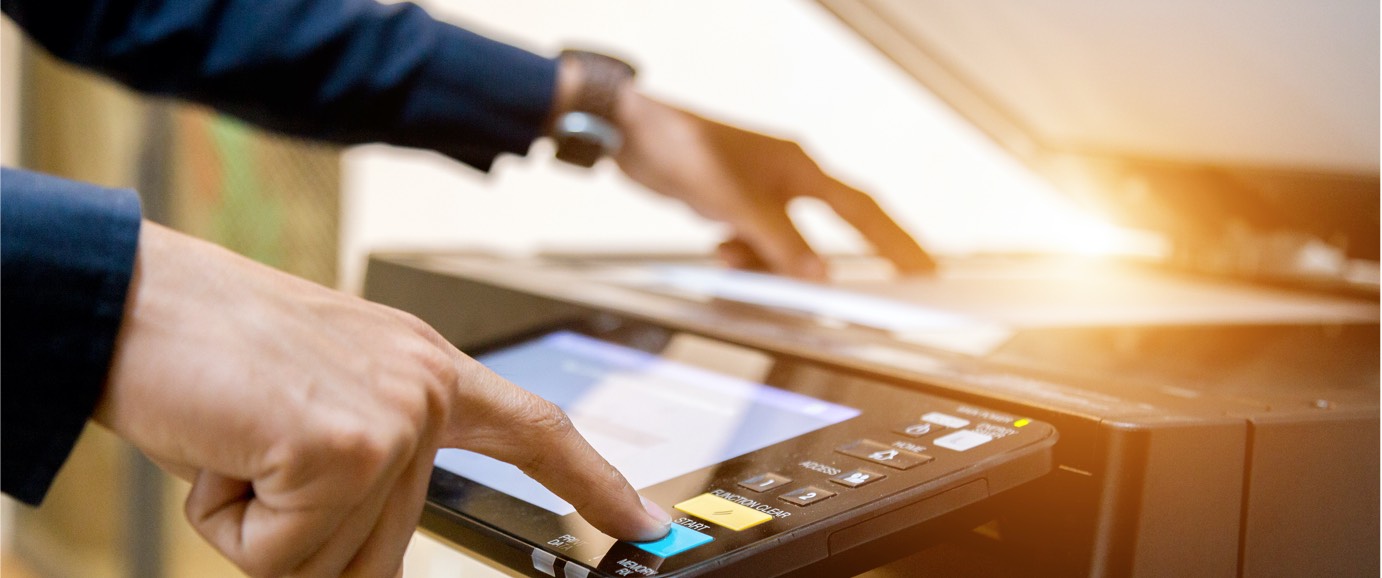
column 1078, row 232
column 778, row 66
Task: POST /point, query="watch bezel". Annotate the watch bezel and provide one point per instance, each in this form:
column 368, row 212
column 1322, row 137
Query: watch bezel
column 583, row 138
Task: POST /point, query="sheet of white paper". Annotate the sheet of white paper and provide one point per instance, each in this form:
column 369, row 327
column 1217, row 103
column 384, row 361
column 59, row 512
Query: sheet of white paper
column 1045, row 294
column 808, row 298
column 981, row 299
column 974, row 308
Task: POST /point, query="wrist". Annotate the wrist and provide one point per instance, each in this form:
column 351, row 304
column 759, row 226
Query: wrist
column 655, row 134
column 633, row 115
column 570, row 75
column 145, row 310
column 126, row 368
column 630, row 108
column 585, row 102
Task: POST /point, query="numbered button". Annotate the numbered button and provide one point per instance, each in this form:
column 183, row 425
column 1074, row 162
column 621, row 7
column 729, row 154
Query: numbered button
column 764, row 482
column 806, row 496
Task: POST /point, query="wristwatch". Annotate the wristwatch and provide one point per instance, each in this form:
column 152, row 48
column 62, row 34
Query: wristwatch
column 587, row 132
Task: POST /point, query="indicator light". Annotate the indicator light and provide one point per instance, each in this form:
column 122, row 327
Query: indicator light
column 1021, row 422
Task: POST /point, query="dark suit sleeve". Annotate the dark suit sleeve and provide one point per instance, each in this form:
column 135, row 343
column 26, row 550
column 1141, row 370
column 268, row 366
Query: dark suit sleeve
column 67, row 251
column 348, row 71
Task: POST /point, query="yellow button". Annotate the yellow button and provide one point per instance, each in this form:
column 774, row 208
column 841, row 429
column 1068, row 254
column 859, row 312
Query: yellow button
column 723, row 512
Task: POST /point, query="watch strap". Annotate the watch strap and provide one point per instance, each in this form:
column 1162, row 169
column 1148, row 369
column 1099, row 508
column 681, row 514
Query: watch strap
column 602, row 77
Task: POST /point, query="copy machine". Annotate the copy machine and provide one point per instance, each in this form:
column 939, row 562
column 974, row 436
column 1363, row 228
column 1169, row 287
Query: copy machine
column 1211, row 414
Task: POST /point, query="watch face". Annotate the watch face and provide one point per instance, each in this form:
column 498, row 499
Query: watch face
column 582, row 138
column 579, row 149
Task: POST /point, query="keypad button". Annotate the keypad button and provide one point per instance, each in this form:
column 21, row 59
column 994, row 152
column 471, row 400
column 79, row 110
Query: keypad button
column 917, row 430
column 807, row 495
column 883, row 455
column 717, row 510
column 857, row 478
column 945, row 419
column 963, row 440
column 678, row 540
column 620, row 556
column 764, row 482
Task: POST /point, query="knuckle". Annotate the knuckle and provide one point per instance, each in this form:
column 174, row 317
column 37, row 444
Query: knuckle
column 544, row 418
column 540, row 419
column 257, row 564
column 413, row 407
column 438, row 399
column 366, row 450
column 440, row 366
column 530, row 461
column 605, row 489
column 426, row 400
column 502, row 418
column 263, row 567
column 292, row 459
column 414, row 323
column 853, row 203
column 400, row 315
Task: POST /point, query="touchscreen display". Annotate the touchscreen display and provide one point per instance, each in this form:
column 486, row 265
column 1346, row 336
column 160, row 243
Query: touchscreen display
column 653, row 418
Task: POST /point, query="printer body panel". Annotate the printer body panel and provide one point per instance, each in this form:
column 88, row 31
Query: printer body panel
column 1146, row 481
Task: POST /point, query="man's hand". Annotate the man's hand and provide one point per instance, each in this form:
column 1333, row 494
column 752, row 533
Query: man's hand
column 307, row 420
column 747, row 179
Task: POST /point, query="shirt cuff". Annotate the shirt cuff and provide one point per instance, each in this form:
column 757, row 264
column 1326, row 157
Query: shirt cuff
column 497, row 96
column 68, row 253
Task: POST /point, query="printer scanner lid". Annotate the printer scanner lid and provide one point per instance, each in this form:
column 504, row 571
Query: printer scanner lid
column 1244, row 132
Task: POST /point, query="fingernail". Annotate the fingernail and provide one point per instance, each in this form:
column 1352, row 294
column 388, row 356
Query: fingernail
column 656, row 512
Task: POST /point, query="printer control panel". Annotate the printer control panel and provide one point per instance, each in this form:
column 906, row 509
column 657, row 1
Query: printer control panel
column 765, row 465
column 764, row 499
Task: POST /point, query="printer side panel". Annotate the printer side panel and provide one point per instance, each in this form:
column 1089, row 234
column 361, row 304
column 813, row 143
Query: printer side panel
column 1312, row 496
column 1173, row 499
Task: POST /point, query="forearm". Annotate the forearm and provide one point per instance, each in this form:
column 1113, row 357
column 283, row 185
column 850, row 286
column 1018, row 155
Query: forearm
column 348, row 71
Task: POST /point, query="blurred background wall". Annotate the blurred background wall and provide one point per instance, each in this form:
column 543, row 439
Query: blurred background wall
column 275, row 199
column 780, row 66
column 9, row 138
